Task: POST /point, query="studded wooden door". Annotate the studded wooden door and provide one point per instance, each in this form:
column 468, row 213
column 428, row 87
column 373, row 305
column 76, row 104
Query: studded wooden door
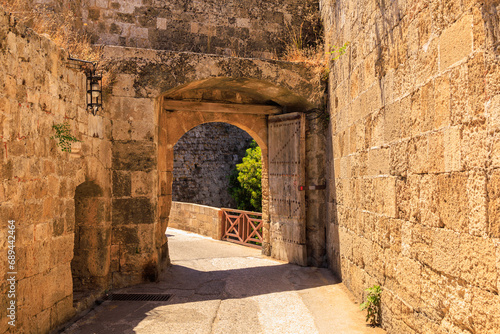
column 287, row 207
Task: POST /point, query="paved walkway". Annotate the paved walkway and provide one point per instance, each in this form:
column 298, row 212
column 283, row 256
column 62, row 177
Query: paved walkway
column 219, row 287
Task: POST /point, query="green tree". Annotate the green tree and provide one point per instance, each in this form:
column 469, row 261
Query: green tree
column 245, row 181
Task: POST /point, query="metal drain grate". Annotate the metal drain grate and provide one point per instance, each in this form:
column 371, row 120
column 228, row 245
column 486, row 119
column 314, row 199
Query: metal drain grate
column 143, row 297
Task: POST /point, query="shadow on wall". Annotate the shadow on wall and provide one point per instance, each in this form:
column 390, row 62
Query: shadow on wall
column 332, row 225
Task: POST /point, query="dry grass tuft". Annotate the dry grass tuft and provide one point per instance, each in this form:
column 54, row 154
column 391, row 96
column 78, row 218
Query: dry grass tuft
column 62, row 26
column 304, row 43
column 313, row 55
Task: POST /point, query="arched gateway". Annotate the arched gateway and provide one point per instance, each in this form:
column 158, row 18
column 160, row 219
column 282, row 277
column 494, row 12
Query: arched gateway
column 275, row 118
column 157, row 96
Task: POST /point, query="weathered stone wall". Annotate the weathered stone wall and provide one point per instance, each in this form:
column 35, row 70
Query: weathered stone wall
column 415, row 126
column 200, row 219
column 95, row 219
column 252, row 28
column 38, row 180
column 316, row 133
column 203, row 160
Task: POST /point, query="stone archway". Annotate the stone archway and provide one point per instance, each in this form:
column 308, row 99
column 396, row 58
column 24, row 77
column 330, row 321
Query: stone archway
column 245, row 103
column 174, row 124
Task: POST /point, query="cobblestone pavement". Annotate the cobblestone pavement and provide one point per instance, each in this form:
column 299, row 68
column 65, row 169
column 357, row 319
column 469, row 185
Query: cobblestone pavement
column 218, row 287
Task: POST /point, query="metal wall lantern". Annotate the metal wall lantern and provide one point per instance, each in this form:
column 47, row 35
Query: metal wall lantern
column 94, row 84
column 94, row 91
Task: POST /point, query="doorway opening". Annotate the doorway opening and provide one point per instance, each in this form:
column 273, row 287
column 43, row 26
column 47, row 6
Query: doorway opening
column 204, row 158
column 217, row 187
column 91, row 260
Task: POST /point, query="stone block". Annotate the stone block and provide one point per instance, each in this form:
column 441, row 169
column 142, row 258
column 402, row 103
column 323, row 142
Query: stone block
column 427, row 106
column 375, row 263
column 375, row 129
column 61, row 312
column 134, row 156
column 458, row 89
column 455, row 43
column 345, row 167
column 392, row 122
column 143, row 184
column 346, row 244
column 385, row 188
column 124, row 85
column 409, row 274
column 432, row 294
column 124, row 235
column 54, row 283
column 41, row 322
column 143, row 130
column 378, row 161
column 452, row 202
column 478, row 262
column 367, row 201
column 398, row 156
column 138, row 210
column 416, row 113
column 122, row 183
column 353, row 140
column 161, row 23
column 445, row 248
column 361, row 251
column 121, row 130
column 418, row 158
column 421, row 245
column 476, row 81
column 452, row 149
column 408, row 198
column 485, row 308
column 374, row 97
column 475, row 147
column 493, row 109
column 436, row 152
column 41, row 251
column 478, row 203
column 429, row 201
column 493, row 188
column 146, row 235
column 61, row 250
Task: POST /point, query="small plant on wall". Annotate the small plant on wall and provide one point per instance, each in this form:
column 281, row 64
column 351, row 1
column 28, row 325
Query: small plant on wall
column 372, row 305
column 337, row 52
column 63, row 136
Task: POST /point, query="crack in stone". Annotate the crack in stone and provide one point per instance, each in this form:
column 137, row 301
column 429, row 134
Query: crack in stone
column 216, row 317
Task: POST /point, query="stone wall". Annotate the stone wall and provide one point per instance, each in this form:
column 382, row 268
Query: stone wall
column 252, row 28
column 95, row 219
column 38, row 180
column 200, row 219
column 413, row 203
column 203, row 160
column 316, row 136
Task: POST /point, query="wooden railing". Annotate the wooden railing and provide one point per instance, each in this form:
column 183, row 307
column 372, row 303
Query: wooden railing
column 242, row 227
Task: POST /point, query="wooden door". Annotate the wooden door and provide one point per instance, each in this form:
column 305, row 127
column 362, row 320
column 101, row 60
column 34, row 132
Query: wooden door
column 287, row 209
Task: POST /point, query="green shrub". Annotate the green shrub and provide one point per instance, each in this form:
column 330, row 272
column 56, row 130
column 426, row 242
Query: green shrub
column 245, row 185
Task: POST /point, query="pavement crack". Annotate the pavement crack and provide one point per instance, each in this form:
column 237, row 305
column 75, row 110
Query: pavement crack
column 215, row 319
